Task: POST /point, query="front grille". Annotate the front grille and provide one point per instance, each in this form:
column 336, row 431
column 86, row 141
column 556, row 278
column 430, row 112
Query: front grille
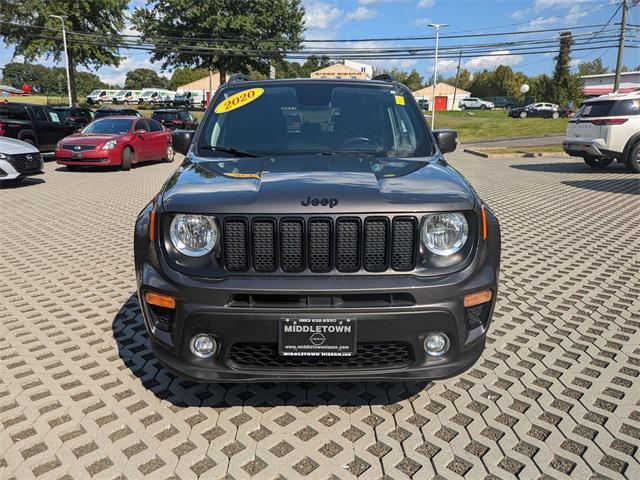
column 320, row 244
column 27, row 163
column 368, row 355
column 78, row 148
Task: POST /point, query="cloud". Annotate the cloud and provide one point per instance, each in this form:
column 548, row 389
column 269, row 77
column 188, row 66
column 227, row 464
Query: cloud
column 426, row 3
column 445, row 65
column 321, row 15
column 489, row 62
column 361, row 13
column 422, row 22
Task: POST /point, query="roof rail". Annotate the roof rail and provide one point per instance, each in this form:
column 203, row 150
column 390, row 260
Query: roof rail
column 384, row 77
column 238, row 77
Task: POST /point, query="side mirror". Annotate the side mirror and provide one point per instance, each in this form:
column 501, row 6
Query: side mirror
column 447, row 140
column 181, row 140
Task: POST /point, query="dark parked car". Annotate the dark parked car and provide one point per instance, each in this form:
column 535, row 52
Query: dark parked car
column 503, row 102
column 40, row 126
column 116, row 112
column 542, row 110
column 345, row 250
column 77, row 117
column 173, row 118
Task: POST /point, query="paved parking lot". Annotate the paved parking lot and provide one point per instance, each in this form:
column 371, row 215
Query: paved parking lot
column 555, row 395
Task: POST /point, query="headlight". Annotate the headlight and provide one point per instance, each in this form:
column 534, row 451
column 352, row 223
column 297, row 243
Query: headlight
column 445, row 233
column 111, row 144
column 193, row 235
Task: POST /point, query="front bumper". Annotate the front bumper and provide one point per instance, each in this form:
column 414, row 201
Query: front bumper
column 15, row 169
column 95, row 157
column 247, row 331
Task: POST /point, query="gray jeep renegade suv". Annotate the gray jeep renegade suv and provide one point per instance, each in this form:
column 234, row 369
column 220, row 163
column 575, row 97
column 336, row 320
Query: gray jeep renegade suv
column 313, row 232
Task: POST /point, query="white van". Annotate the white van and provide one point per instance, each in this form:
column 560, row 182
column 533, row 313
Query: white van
column 127, row 97
column 156, row 96
column 190, row 98
column 100, row 96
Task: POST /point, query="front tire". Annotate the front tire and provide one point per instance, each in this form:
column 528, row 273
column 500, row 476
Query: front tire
column 463, row 107
column 170, row 154
column 523, row 114
column 633, row 159
column 595, row 162
column 483, row 107
column 127, row 156
column 555, row 115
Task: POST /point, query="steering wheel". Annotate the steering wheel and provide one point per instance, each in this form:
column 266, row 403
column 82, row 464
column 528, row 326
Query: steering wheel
column 356, row 140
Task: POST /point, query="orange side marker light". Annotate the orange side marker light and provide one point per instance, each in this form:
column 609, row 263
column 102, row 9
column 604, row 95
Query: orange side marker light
column 478, row 298
column 160, row 300
column 484, row 224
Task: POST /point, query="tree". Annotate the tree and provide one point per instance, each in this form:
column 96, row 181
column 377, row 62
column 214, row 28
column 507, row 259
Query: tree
column 565, row 87
column 182, row 76
column 145, row 78
column 17, row 74
column 96, row 48
column 413, row 80
column 232, row 27
column 592, row 68
column 87, row 82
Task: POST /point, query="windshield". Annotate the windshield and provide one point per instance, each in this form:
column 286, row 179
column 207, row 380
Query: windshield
column 147, row 94
column 120, row 93
column 164, row 115
column 63, row 112
column 319, row 118
column 114, row 126
column 94, row 93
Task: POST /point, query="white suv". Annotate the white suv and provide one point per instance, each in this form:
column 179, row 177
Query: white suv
column 474, row 102
column 605, row 129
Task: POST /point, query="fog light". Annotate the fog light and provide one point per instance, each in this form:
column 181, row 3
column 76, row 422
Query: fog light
column 203, row 346
column 436, row 344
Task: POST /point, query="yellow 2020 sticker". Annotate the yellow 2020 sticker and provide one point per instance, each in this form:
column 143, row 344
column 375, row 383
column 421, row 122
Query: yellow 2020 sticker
column 399, row 100
column 238, row 100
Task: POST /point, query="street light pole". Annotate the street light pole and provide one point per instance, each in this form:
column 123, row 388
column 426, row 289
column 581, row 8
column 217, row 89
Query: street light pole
column 66, row 55
column 437, row 26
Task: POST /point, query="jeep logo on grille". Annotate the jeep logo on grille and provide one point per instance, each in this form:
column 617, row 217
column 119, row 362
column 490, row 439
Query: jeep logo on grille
column 331, row 202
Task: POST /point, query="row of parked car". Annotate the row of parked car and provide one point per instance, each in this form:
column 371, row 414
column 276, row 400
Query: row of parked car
column 148, row 96
column 81, row 137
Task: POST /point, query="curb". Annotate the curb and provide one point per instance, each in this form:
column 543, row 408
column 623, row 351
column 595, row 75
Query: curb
column 498, row 156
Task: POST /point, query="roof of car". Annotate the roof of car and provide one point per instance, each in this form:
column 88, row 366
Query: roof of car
column 311, row 81
column 119, row 117
column 168, row 110
column 615, row 96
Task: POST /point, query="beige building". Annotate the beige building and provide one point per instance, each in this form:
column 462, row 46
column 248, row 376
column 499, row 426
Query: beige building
column 209, row 82
column 444, row 96
column 338, row 71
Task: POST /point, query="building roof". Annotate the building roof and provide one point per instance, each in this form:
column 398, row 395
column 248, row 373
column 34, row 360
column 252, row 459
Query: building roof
column 203, row 83
column 604, row 75
column 441, row 89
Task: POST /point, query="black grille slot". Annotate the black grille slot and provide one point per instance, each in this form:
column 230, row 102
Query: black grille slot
column 291, row 245
column 78, row 148
column 235, row 245
column 319, row 245
column 264, row 245
column 26, row 163
column 368, row 355
column 403, row 251
column 348, row 245
column 376, row 232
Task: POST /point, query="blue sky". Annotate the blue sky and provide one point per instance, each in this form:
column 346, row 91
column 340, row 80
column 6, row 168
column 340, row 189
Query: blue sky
column 346, row 19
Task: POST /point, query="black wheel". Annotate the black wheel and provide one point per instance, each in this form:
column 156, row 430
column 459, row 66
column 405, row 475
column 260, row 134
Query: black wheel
column 555, row 115
column 30, row 141
column 633, row 159
column 595, row 162
column 463, row 107
column 127, row 156
column 523, row 114
column 170, row 154
column 72, row 168
column 483, row 107
column 100, row 102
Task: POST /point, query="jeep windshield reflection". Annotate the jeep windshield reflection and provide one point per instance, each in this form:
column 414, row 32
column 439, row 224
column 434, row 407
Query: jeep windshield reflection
column 316, row 118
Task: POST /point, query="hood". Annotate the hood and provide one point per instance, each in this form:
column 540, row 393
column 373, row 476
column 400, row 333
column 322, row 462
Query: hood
column 89, row 138
column 310, row 184
column 11, row 146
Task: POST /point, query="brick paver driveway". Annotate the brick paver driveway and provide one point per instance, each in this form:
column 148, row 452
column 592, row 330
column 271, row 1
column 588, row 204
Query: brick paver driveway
column 556, row 394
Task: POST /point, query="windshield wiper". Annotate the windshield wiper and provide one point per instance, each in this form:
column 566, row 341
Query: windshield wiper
column 232, row 150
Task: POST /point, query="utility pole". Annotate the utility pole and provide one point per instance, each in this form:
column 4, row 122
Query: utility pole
column 455, row 88
column 623, row 26
column 66, row 55
column 437, row 26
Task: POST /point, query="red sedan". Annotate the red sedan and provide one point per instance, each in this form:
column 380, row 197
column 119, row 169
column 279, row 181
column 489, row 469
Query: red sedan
column 116, row 141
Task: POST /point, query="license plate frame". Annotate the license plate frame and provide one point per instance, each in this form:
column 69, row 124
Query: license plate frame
column 317, row 337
